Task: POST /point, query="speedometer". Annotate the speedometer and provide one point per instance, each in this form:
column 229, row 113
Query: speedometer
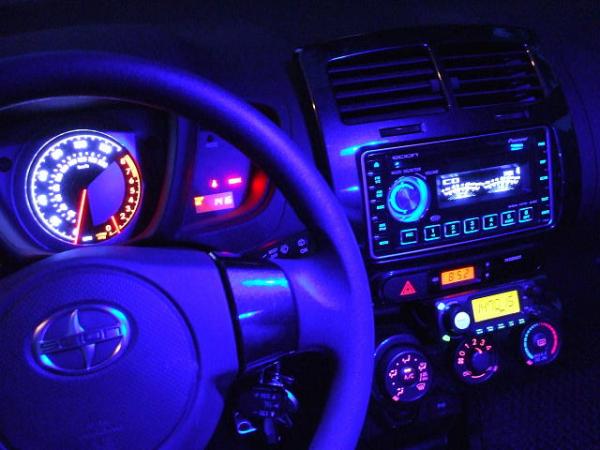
column 83, row 187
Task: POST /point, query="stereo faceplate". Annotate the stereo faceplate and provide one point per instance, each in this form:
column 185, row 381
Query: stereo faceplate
column 431, row 195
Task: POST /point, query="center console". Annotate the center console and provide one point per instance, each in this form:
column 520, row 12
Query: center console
column 452, row 152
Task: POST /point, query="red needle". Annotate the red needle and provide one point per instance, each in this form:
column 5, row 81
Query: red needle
column 114, row 221
column 82, row 199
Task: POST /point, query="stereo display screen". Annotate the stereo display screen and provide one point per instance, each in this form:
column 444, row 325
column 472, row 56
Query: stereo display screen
column 474, row 186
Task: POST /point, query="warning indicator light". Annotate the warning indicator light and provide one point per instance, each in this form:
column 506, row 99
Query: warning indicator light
column 408, row 289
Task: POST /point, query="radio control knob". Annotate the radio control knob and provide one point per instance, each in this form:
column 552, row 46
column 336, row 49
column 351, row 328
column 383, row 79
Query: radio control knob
column 457, row 320
column 404, row 374
column 408, row 199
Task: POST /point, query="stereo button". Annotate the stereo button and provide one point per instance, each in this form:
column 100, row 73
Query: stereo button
column 375, row 164
column 490, row 221
column 451, row 229
column 408, row 237
column 432, row 232
column 508, row 218
column 471, row 225
column 526, row 214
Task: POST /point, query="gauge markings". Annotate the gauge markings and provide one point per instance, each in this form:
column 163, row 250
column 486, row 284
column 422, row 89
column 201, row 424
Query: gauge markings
column 83, row 187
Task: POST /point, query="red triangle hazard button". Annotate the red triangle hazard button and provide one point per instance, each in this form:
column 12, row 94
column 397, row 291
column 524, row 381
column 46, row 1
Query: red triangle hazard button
column 408, row 289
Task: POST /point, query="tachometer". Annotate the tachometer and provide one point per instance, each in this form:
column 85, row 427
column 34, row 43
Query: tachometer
column 84, row 187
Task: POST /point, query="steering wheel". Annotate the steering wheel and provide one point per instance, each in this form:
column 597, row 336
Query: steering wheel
column 130, row 347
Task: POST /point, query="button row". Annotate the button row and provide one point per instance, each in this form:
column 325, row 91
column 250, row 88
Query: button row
column 468, row 226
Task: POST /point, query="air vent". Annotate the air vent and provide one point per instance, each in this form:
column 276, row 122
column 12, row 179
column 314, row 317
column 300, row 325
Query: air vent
column 490, row 74
column 386, row 84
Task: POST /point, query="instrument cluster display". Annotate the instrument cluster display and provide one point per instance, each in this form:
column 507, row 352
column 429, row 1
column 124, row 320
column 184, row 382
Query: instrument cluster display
column 83, row 187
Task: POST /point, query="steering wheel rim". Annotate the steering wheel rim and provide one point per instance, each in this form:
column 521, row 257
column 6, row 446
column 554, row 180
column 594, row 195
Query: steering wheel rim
column 333, row 316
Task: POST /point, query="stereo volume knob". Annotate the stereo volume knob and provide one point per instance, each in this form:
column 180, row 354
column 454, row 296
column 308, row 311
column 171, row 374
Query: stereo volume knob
column 408, row 199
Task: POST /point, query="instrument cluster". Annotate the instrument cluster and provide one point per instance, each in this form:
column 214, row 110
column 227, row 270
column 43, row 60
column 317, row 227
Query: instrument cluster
column 82, row 172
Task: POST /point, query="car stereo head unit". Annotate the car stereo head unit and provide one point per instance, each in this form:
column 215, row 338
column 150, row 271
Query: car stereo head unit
column 431, row 195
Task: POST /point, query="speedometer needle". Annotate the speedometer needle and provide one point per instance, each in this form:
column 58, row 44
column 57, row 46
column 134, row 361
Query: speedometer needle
column 80, row 212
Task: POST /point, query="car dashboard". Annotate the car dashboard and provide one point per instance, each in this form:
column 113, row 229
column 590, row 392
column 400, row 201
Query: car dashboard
column 464, row 156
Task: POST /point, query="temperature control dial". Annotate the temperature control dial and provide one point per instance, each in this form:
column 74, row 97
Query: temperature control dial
column 540, row 343
column 476, row 360
column 408, row 199
column 406, row 374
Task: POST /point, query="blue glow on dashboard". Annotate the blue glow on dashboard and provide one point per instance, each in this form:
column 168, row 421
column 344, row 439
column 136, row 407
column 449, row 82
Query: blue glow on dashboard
column 349, row 151
column 266, row 282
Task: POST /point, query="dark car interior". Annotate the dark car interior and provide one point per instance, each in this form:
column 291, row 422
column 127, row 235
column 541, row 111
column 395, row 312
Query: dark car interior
column 290, row 225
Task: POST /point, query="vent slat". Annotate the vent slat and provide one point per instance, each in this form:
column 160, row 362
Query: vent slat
column 499, row 91
column 502, row 65
column 519, row 76
column 490, row 74
column 381, row 65
column 391, row 89
column 414, row 100
column 405, row 74
column 385, row 84
column 518, row 53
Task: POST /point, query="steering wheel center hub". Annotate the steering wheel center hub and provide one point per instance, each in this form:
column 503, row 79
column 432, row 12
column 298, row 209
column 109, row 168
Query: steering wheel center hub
column 100, row 337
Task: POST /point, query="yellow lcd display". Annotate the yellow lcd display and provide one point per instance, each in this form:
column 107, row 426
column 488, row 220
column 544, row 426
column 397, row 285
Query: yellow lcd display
column 458, row 275
column 497, row 305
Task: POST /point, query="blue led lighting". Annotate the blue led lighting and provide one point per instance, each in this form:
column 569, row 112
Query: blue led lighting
column 349, row 151
column 516, row 146
column 47, row 361
column 248, row 315
column 525, row 346
column 122, row 320
column 266, row 282
column 351, row 189
column 541, row 144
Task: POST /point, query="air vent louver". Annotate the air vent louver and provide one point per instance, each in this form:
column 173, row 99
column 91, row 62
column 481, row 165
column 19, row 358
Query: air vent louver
column 490, row 74
column 385, row 84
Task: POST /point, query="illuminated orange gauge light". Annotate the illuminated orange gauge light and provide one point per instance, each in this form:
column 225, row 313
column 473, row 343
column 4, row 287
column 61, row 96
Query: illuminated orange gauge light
column 455, row 276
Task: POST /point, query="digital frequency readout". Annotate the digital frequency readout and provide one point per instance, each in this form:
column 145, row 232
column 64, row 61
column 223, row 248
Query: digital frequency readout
column 480, row 184
column 496, row 305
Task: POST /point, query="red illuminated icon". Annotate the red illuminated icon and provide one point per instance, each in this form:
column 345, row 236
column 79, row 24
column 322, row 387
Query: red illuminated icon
column 233, row 181
column 408, row 289
column 214, row 183
column 541, row 342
